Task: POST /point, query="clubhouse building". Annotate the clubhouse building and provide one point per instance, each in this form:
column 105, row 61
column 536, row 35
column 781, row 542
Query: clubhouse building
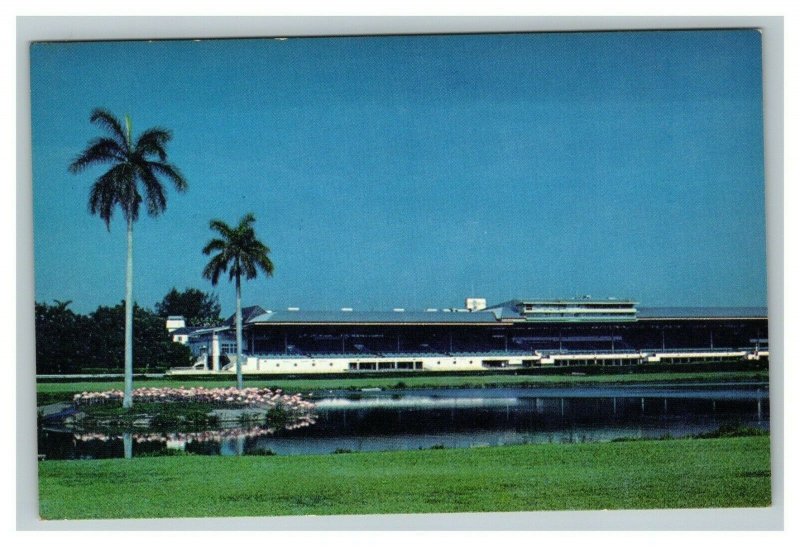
column 513, row 334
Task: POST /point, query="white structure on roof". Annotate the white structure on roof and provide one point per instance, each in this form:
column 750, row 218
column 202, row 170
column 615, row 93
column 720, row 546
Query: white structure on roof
column 584, row 309
column 475, row 304
column 175, row 322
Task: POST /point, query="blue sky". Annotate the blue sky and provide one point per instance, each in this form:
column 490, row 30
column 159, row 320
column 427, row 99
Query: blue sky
column 416, row 171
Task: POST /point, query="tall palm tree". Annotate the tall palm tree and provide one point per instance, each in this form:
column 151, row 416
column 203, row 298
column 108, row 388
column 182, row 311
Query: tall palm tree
column 135, row 165
column 240, row 250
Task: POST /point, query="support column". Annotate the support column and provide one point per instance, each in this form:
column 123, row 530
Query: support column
column 214, row 352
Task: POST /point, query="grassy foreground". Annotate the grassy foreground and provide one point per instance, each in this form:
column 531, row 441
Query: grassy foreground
column 57, row 391
column 686, row 473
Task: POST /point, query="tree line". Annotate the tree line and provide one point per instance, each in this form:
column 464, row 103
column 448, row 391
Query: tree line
column 72, row 343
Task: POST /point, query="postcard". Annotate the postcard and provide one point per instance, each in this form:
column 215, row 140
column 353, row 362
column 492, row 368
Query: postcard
column 407, row 274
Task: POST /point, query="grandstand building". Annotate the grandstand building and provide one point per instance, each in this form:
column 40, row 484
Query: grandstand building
column 513, row 334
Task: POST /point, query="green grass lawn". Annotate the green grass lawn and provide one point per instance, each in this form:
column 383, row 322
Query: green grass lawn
column 48, row 392
column 687, row 473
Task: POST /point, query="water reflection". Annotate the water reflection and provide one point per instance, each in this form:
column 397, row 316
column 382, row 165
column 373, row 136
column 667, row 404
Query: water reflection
column 451, row 418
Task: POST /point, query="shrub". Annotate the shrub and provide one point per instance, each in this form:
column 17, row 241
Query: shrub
column 734, row 429
column 261, row 452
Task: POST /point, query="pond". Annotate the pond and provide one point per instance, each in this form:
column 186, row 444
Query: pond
column 451, row 418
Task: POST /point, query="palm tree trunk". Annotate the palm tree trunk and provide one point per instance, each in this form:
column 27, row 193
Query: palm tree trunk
column 127, row 445
column 127, row 400
column 239, row 380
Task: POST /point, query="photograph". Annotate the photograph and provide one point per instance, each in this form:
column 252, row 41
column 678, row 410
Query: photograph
column 400, row 274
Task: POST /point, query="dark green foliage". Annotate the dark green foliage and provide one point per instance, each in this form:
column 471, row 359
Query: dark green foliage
column 733, row 430
column 278, row 417
column 174, row 409
column 70, row 343
column 162, row 452
column 238, row 251
column 724, row 431
column 200, row 309
column 191, row 420
column 135, row 167
column 252, row 418
column 162, row 417
column 59, row 348
column 261, row 452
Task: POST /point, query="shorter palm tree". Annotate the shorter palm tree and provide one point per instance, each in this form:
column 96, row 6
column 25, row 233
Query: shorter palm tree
column 240, row 253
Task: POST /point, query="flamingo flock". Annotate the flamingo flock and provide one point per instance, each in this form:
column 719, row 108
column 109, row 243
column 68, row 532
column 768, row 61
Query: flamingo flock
column 250, row 397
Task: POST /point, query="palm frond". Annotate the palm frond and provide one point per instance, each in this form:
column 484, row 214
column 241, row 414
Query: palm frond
column 127, row 191
column 248, row 268
column 236, row 266
column 224, row 230
column 215, row 244
column 216, row 266
column 115, row 187
column 171, row 172
column 99, row 151
column 103, row 197
column 152, row 141
column 107, row 120
column 247, row 220
column 265, row 263
column 154, row 192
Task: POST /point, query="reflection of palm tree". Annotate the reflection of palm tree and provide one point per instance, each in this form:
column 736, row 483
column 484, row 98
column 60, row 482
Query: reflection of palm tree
column 143, row 160
column 240, row 250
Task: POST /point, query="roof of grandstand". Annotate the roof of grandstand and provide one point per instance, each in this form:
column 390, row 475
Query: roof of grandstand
column 494, row 314
column 379, row 317
column 700, row 313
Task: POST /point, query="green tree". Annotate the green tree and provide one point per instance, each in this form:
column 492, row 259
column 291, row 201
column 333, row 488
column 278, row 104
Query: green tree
column 58, row 349
column 71, row 343
column 155, row 352
column 240, row 253
column 200, row 309
column 137, row 167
